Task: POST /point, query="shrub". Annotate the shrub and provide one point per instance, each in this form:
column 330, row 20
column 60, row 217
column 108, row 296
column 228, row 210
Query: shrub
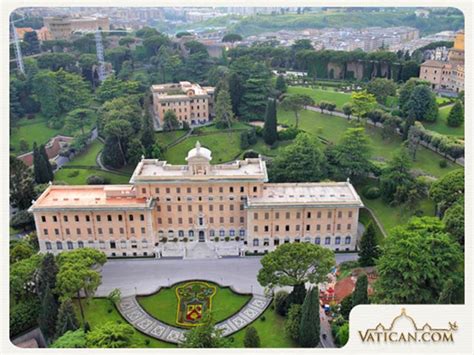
column 23, row 316
column 288, row 134
column 251, row 338
column 263, row 318
column 372, row 192
column 97, row 180
column 22, row 220
column 443, row 164
column 73, row 173
column 24, row 146
column 281, row 304
column 110, row 310
column 259, row 131
column 292, row 323
column 147, row 341
column 250, row 154
column 216, row 239
column 227, row 239
column 185, row 239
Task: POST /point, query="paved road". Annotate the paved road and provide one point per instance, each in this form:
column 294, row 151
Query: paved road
column 143, row 276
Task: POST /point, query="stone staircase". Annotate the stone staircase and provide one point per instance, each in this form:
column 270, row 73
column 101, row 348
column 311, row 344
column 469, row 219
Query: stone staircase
column 200, row 250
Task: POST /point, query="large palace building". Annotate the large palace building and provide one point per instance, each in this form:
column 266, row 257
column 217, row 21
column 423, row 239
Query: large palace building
column 177, row 208
column 190, row 102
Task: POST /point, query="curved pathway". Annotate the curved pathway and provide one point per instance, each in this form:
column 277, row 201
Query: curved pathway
column 131, row 310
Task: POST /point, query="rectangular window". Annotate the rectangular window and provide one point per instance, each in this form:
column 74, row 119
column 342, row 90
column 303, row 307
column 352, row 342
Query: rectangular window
column 143, row 190
column 329, row 214
column 277, row 228
column 160, row 220
column 78, row 231
column 242, row 190
column 132, row 230
column 349, row 226
column 308, row 215
column 178, row 190
column 308, row 227
column 242, row 220
column 130, row 217
column 65, row 219
column 143, row 230
column 168, row 190
column 350, row 214
column 266, row 228
column 45, row 231
column 255, row 215
column 157, row 190
column 170, row 220
column 89, row 231
column 297, row 227
column 221, row 207
column 121, row 230
column 56, row 231
column 168, row 208
column 99, row 230
column 231, row 207
column 231, row 189
column 319, row 214
column 267, row 215
column 211, row 220
column 120, row 218
column 97, row 218
column 328, row 227
column 211, row 208
column 221, row 219
column 188, row 190
column 43, row 219
column 210, row 190
column 55, row 219
column 231, row 219
column 255, row 189
column 68, row 231
column 339, row 214
column 298, row 215
column 277, row 215
column 287, row 215
column 338, row 227
column 142, row 217
column 255, row 228
column 287, row 228
column 221, row 190
column 109, row 218
column 190, row 220
column 318, row 227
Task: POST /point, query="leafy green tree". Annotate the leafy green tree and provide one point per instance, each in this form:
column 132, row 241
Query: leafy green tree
column 22, row 220
column 256, row 90
column 86, row 63
column 48, row 314
column 117, row 56
column 270, row 134
column 22, row 279
column 410, row 69
column 122, row 108
column 346, row 306
column 111, row 154
column 110, row 335
column 236, row 91
column 294, row 264
column 416, row 262
column 281, row 302
column 153, row 43
column 170, row 121
column 41, row 166
column 114, row 296
column 120, row 130
column 20, row 251
column 167, row 62
column 126, row 41
column 296, row 103
column 224, row 114
column 456, row 115
column 453, row 220
column 78, row 119
column 183, row 34
column 362, row 103
column 232, row 37
column 71, row 340
column 368, row 247
column 301, row 161
column 31, row 38
column 135, row 151
column 310, row 322
column 382, row 88
column 205, row 336
column 85, row 44
column 350, row 158
column 112, row 88
column 421, row 105
column 251, row 338
column 360, row 294
column 47, row 92
column 347, row 108
column 396, row 178
column 21, row 184
column 342, row 335
column 67, row 320
column 280, row 84
column 147, row 135
column 447, row 190
column 56, row 61
column 292, row 322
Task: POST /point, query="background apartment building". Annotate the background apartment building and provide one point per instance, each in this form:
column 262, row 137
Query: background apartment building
column 181, row 206
column 189, row 101
column 62, row 27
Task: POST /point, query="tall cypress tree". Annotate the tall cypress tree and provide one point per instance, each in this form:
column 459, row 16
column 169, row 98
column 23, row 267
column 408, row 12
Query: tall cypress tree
column 360, row 294
column 297, row 295
column 270, row 134
column 39, row 166
column 368, row 248
column 310, row 322
column 147, row 136
column 47, row 272
column 49, row 168
column 67, row 319
column 48, row 314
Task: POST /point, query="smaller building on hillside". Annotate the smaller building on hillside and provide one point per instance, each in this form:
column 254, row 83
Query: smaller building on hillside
column 190, row 102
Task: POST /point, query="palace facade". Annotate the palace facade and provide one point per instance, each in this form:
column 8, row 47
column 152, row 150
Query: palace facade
column 197, row 204
column 190, row 102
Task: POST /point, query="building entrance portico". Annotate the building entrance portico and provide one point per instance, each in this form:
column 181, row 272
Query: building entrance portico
column 202, row 237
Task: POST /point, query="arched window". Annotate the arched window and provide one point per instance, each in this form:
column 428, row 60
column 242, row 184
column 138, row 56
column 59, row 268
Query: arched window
column 123, row 244
column 338, row 240
column 144, row 243
column 348, row 239
column 221, row 233
column 266, row 242
column 242, row 233
column 102, row 244
column 255, row 242
column 307, row 239
column 212, row 233
column 134, row 244
column 70, row 245
column 317, row 240
column 191, row 233
column 232, row 233
column 287, row 240
column 48, row 245
column 59, row 245
column 170, row 233
column 80, row 244
column 180, row 233
column 276, row 241
column 327, row 240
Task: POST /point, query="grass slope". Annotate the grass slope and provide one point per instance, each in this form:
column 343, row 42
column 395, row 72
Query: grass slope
column 318, row 95
column 441, row 124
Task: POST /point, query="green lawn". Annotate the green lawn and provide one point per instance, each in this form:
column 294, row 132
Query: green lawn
column 394, row 216
column 225, row 147
column 441, row 124
column 97, row 312
column 166, row 138
column 365, row 218
column 163, row 305
column 69, row 176
column 271, row 332
column 339, row 98
column 332, row 128
column 78, row 175
column 88, row 157
column 31, row 131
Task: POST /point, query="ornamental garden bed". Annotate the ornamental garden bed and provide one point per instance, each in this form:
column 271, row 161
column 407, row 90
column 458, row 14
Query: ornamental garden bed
column 184, row 304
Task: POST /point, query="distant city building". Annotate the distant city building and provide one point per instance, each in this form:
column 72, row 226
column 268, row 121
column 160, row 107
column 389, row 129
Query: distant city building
column 447, row 73
column 189, row 101
column 62, row 27
column 422, row 13
column 173, row 208
column 20, row 31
